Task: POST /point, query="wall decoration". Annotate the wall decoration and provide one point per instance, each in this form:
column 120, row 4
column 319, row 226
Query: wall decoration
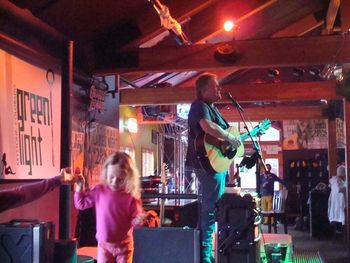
column 103, row 140
column 340, row 133
column 309, row 134
column 77, row 153
column 30, row 119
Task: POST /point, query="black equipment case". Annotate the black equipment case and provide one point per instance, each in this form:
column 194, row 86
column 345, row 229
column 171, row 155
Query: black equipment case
column 26, row 241
column 238, row 223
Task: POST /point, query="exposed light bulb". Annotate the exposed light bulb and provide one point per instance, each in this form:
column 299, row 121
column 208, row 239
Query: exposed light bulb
column 228, row 25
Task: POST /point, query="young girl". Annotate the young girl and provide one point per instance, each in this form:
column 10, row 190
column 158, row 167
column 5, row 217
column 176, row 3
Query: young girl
column 118, row 208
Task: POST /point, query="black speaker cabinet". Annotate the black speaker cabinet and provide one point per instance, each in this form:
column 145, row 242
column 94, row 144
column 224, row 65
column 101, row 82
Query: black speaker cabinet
column 318, row 208
column 26, row 242
column 237, row 230
column 166, row 244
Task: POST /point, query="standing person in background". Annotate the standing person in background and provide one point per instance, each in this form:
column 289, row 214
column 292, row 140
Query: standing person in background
column 118, row 207
column 205, row 118
column 337, row 199
column 267, row 181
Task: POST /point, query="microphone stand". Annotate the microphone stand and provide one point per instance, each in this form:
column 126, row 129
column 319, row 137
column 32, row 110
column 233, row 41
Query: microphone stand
column 255, row 145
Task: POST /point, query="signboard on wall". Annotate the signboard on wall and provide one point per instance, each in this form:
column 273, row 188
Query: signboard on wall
column 340, row 135
column 104, row 140
column 308, row 134
column 77, row 153
column 30, row 119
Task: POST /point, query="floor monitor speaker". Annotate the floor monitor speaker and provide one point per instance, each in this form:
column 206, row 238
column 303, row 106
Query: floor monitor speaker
column 166, row 244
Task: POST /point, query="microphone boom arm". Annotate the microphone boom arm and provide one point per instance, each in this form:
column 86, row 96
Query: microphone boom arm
column 235, row 103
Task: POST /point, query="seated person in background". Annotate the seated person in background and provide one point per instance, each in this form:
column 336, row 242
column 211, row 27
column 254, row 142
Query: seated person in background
column 17, row 196
column 336, row 201
column 267, row 181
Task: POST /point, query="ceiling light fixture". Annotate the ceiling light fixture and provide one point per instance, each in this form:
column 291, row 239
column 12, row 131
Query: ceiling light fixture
column 298, row 72
column 228, row 25
column 314, row 71
column 168, row 22
column 272, row 73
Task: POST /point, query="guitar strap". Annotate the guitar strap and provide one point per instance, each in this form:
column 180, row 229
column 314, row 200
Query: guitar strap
column 216, row 112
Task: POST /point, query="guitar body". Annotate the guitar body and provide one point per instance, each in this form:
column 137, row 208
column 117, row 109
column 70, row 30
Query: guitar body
column 217, row 155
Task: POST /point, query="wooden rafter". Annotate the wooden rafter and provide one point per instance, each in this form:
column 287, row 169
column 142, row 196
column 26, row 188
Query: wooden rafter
column 276, row 113
column 281, row 52
column 331, row 15
column 246, row 93
column 345, row 15
column 300, row 27
column 208, row 24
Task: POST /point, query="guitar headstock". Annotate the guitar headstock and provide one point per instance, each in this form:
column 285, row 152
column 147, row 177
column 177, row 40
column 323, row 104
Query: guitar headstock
column 265, row 124
column 262, row 127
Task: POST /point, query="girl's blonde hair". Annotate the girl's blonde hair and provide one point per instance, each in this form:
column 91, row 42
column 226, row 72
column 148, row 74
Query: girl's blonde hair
column 130, row 180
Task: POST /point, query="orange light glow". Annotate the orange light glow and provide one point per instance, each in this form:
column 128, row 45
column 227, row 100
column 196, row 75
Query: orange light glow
column 228, row 25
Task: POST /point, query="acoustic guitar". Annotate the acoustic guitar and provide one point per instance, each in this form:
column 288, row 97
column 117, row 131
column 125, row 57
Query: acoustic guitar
column 216, row 155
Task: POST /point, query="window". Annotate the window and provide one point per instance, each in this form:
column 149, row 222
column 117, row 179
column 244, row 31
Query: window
column 248, row 176
column 147, row 162
column 128, row 150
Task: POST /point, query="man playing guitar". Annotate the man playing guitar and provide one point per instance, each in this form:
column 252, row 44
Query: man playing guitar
column 205, row 118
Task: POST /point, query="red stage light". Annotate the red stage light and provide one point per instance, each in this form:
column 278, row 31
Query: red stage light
column 228, row 25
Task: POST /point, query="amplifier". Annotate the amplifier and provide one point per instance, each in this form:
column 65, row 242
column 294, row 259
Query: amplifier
column 26, row 241
column 237, row 229
column 166, row 244
column 276, row 248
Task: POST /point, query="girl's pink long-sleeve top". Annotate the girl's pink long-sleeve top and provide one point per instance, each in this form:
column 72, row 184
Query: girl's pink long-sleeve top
column 115, row 212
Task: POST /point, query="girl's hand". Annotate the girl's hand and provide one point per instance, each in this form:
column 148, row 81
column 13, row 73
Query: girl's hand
column 79, row 184
column 139, row 220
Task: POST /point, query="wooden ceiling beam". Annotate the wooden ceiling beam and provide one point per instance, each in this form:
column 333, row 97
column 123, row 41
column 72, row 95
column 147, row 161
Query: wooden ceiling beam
column 300, row 27
column 276, row 113
column 241, row 93
column 209, row 22
column 265, row 53
column 345, row 15
column 331, row 15
column 200, row 24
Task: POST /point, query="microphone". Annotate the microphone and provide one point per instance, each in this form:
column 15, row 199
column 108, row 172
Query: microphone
column 235, row 103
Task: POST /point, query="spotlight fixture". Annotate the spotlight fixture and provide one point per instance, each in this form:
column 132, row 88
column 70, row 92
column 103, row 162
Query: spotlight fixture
column 226, row 53
column 298, row 72
column 314, row 71
column 272, row 72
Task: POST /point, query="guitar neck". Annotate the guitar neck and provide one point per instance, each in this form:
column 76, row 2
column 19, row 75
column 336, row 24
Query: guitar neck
column 245, row 136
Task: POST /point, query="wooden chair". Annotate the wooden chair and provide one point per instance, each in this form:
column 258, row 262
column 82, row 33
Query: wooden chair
column 278, row 211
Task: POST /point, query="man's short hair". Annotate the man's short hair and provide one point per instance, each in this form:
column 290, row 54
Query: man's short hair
column 202, row 83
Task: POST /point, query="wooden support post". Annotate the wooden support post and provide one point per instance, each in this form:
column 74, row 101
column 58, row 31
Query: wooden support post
column 65, row 190
column 332, row 147
column 347, row 161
